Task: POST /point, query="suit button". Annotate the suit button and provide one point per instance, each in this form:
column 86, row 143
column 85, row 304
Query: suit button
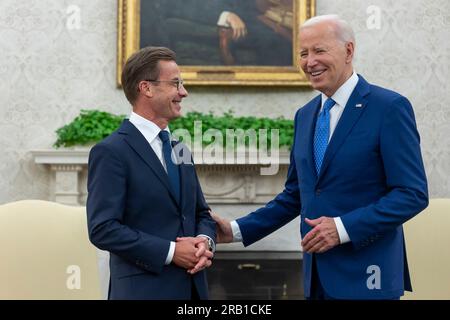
column 318, row 191
column 183, row 217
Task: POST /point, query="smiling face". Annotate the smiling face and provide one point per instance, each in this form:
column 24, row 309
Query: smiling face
column 167, row 97
column 324, row 58
column 160, row 99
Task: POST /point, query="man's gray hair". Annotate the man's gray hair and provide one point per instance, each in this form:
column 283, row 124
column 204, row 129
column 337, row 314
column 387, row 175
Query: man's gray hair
column 344, row 31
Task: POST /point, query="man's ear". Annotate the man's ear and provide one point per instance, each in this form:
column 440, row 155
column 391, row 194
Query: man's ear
column 146, row 89
column 350, row 50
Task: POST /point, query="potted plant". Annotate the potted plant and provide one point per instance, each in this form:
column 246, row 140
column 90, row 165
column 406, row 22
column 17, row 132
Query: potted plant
column 87, row 128
column 91, row 126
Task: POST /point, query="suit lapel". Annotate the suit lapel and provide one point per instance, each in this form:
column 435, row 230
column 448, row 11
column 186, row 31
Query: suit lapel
column 138, row 143
column 352, row 112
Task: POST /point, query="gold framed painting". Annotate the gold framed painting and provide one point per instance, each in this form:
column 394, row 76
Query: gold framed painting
column 219, row 42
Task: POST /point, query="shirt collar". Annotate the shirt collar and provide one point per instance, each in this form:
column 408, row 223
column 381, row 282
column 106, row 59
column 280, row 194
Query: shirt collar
column 148, row 128
column 344, row 92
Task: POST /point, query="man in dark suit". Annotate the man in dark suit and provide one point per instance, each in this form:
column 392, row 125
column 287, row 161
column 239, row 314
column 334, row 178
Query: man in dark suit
column 144, row 206
column 356, row 175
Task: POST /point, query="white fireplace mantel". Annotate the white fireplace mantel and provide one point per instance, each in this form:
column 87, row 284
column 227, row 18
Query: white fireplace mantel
column 230, row 189
column 221, row 183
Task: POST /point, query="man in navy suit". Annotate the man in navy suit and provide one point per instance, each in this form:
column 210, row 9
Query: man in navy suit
column 144, row 205
column 356, row 175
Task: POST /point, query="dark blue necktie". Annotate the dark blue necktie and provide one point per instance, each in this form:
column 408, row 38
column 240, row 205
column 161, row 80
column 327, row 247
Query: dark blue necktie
column 322, row 133
column 172, row 168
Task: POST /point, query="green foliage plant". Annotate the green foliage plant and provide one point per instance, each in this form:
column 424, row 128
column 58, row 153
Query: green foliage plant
column 91, row 126
column 229, row 121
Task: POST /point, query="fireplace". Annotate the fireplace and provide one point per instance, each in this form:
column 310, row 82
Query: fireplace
column 243, row 275
column 269, row 269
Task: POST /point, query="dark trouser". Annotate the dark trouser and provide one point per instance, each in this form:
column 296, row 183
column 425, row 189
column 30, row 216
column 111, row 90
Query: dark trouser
column 317, row 291
column 194, row 293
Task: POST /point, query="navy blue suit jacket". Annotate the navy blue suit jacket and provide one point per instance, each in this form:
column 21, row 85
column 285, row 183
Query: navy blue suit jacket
column 372, row 177
column 132, row 213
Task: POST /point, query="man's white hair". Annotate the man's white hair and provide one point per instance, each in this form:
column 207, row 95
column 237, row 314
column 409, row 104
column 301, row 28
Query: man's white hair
column 344, row 31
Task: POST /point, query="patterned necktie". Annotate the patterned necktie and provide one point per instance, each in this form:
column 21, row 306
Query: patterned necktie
column 322, row 133
column 172, row 168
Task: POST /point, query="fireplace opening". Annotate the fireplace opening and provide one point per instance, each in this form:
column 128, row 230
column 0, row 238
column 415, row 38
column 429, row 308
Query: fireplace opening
column 256, row 276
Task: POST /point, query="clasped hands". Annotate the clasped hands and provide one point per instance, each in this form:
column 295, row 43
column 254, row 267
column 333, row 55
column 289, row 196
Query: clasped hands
column 192, row 254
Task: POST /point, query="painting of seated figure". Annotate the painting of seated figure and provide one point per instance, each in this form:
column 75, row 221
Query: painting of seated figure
column 222, row 41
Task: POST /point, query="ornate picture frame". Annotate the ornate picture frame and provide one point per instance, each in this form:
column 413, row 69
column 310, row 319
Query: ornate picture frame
column 265, row 53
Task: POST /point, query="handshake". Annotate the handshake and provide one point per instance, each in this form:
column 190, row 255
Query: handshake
column 322, row 237
column 194, row 254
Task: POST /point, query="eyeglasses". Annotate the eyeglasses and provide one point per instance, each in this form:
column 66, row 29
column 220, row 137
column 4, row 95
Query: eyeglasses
column 178, row 83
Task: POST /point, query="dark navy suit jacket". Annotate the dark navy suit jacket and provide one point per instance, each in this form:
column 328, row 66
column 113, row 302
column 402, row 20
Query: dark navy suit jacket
column 372, row 177
column 132, row 213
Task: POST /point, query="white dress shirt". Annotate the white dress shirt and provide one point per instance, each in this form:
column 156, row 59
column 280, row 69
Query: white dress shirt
column 341, row 97
column 150, row 132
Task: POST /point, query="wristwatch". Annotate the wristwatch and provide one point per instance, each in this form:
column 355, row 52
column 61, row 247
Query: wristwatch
column 211, row 245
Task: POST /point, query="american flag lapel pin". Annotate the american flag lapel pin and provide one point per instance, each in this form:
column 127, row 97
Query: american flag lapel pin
column 358, row 105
